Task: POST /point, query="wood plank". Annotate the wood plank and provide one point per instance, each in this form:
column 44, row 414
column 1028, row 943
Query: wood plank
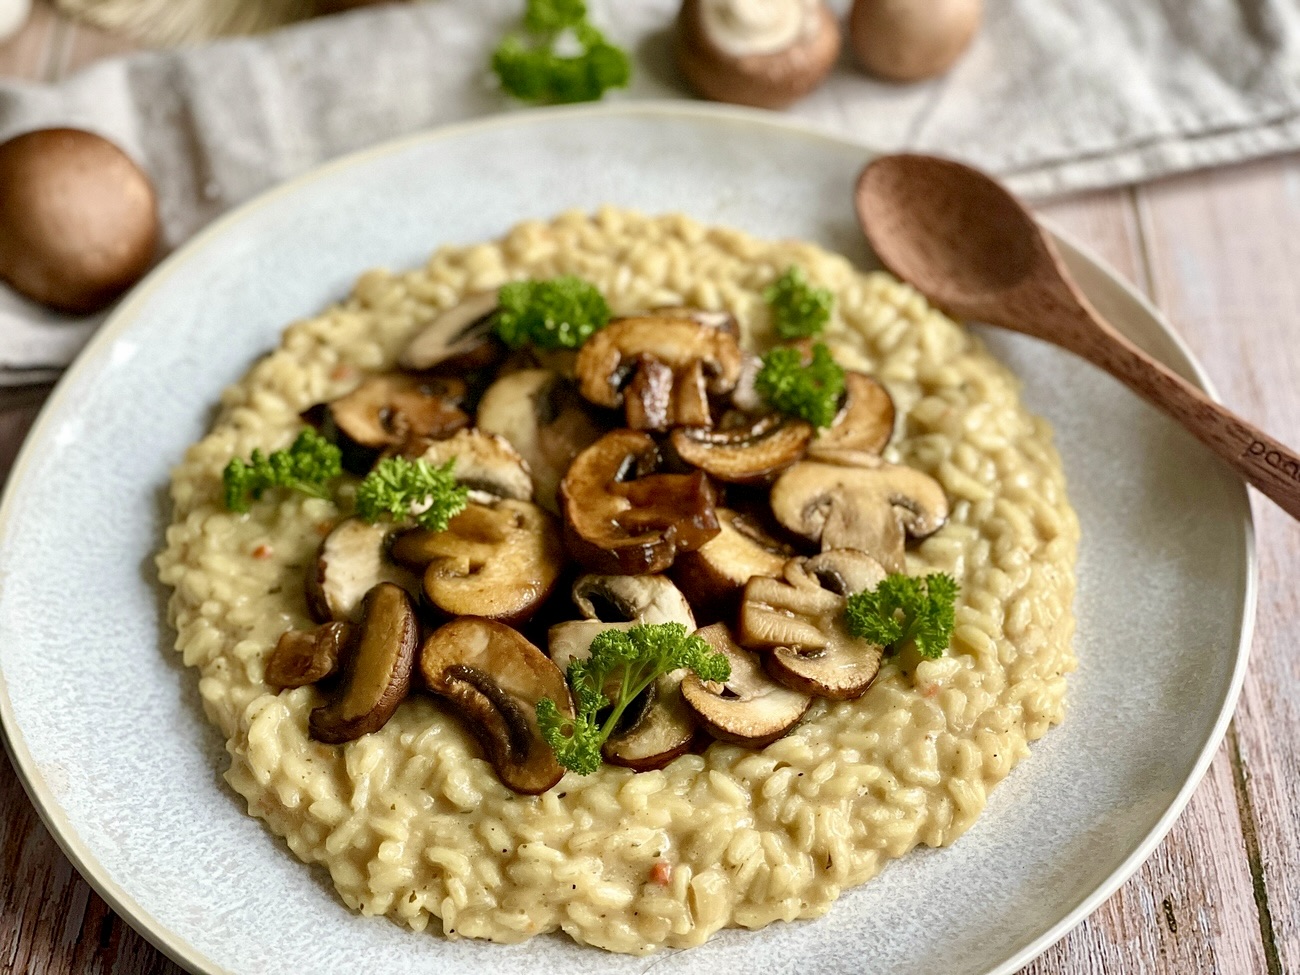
column 1107, row 224
column 1225, row 251
column 1191, row 907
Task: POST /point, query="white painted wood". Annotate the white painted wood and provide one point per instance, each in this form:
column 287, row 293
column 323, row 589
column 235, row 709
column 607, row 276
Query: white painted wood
column 1226, row 249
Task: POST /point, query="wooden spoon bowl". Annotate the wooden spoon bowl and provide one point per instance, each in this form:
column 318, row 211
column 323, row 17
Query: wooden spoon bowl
column 973, row 250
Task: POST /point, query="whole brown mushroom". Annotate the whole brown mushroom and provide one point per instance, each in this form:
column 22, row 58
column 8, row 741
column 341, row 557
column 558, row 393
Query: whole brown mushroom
column 910, row 40
column 765, row 53
column 78, row 219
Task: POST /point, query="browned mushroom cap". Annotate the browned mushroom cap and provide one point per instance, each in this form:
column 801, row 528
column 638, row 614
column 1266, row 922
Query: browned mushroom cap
column 302, row 657
column 870, row 508
column 389, row 410
column 660, row 369
column 657, row 728
column 635, row 599
column 798, row 622
column 351, row 561
column 864, row 425
column 753, row 453
column 459, row 338
column 762, row 54
column 750, row 709
column 376, row 671
column 545, row 420
column 713, row 575
column 622, row 519
column 723, row 320
column 484, row 463
column 495, row 678
column 498, row 561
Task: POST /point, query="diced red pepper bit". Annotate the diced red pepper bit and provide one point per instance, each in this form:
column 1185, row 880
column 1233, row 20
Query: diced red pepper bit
column 262, row 552
column 661, row 873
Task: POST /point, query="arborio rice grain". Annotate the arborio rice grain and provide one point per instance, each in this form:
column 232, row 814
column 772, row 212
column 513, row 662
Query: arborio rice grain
column 411, row 822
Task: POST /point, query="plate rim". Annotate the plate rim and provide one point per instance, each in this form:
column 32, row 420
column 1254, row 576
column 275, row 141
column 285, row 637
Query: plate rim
column 178, row 949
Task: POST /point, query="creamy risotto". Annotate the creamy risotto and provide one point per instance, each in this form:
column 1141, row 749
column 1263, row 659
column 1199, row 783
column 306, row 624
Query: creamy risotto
column 413, row 823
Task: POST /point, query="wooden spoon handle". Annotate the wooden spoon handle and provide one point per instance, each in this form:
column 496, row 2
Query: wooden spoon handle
column 1271, row 466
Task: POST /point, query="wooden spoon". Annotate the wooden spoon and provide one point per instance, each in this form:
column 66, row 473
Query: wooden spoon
column 971, row 248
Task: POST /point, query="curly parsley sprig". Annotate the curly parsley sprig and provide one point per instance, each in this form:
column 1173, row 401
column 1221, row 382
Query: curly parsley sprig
column 810, row 391
column 560, row 313
column 798, row 308
column 416, row 490
column 531, row 68
column 306, row 466
column 637, row 657
column 905, row 609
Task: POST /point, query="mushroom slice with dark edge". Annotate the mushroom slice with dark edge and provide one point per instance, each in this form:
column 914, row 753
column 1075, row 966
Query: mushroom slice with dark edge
column 750, row 709
column 871, row 508
column 662, row 728
column 498, row 561
column 658, row 727
column 494, row 678
column 304, row 657
column 713, row 575
column 637, row 599
column 352, row 560
column 485, row 463
column 753, row 453
column 798, row 622
column 545, row 420
column 376, row 669
column 661, row 369
column 389, row 410
column 865, row 424
column 458, row 338
column 620, row 518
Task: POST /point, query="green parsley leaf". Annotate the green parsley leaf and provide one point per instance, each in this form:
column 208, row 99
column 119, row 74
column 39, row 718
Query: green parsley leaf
column 306, row 466
column 637, row 657
column 530, row 69
column 412, row 490
column 553, row 16
column 809, row 391
column 561, row 313
column 798, row 309
column 904, row 608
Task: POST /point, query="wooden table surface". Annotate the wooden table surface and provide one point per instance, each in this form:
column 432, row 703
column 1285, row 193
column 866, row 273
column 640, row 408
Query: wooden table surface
column 1219, row 252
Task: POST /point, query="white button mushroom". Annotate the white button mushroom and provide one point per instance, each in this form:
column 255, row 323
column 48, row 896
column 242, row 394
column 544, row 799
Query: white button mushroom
column 766, row 53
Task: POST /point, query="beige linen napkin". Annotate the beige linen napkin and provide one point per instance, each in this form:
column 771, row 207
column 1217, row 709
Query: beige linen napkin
column 1055, row 95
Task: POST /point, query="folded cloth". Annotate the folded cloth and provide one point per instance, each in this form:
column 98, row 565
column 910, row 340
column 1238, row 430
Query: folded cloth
column 1054, row 95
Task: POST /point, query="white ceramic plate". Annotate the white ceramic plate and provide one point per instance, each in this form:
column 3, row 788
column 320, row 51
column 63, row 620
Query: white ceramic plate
column 105, row 726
